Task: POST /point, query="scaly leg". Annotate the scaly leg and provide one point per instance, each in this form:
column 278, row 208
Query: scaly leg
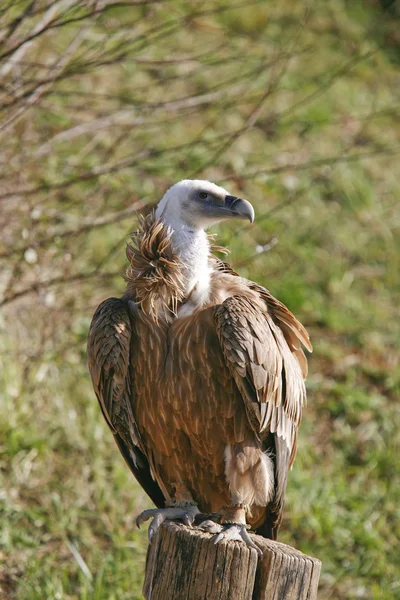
column 233, row 527
column 182, row 508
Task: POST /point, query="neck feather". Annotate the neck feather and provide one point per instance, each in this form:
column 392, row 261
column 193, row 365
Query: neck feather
column 193, row 248
column 169, row 271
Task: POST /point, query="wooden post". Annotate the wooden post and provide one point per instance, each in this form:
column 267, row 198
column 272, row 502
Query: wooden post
column 183, row 563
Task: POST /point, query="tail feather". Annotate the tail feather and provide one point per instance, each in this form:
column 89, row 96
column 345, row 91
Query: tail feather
column 269, row 529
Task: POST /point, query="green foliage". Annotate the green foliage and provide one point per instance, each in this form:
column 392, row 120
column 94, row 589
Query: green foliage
column 317, row 157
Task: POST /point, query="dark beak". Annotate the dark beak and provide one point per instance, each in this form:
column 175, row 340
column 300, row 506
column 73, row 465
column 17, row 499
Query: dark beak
column 241, row 209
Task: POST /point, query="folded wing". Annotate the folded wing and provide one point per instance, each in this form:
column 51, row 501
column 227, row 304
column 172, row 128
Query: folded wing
column 261, row 342
column 109, row 344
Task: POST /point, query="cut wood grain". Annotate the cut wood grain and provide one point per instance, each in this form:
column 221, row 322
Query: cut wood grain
column 184, row 564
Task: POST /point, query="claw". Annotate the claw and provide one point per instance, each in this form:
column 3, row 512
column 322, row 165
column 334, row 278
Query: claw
column 145, row 516
column 185, row 513
column 238, row 532
column 210, row 526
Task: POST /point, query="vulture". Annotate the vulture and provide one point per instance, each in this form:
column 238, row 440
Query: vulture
column 200, row 373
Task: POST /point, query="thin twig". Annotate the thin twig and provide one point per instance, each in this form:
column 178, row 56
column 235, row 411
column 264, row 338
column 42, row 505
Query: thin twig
column 59, row 280
column 88, row 225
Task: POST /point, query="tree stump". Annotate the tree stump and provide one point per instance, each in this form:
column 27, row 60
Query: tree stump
column 183, row 563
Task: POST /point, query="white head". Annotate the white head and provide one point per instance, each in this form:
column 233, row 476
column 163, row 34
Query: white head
column 198, row 204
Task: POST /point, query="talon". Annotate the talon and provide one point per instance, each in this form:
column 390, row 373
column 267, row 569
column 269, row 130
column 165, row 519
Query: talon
column 188, row 519
column 145, row 516
column 239, row 533
column 209, row 526
column 173, row 513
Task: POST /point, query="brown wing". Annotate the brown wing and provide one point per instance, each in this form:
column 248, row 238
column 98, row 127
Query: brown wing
column 109, row 343
column 294, row 332
column 261, row 344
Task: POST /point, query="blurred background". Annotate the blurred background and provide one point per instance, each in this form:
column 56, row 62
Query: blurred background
column 104, row 104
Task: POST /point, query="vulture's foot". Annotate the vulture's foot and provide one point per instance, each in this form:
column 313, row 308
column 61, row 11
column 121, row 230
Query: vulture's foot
column 209, row 522
column 230, row 531
column 181, row 511
column 233, row 526
column 210, row 526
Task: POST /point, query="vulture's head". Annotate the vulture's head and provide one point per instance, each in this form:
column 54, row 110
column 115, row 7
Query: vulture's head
column 199, row 204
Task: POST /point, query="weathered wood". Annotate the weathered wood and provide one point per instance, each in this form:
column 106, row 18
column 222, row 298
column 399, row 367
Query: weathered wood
column 184, row 564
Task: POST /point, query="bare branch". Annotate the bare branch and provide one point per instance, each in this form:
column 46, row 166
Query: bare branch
column 59, row 280
column 320, row 162
column 88, row 224
column 55, row 70
column 19, row 51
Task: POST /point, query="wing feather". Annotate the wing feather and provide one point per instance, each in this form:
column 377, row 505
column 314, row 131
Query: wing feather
column 260, row 360
column 109, row 342
column 261, row 341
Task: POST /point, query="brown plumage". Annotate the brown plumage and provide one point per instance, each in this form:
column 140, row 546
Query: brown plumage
column 155, row 274
column 208, row 403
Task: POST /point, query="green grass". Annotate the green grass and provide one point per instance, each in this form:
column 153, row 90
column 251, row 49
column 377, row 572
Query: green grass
column 66, row 495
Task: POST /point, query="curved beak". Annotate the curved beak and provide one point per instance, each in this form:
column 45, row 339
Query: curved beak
column 239, row 208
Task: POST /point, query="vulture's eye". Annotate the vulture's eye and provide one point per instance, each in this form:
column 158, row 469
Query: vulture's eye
column 203, row 195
